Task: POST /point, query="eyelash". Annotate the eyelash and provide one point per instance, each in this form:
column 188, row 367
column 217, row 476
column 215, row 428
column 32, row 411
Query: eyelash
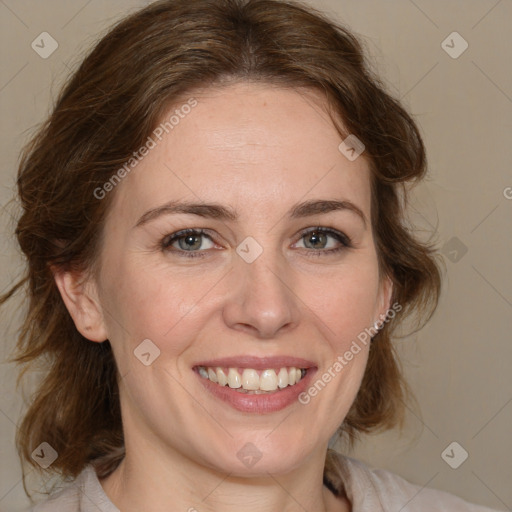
column 167, row 242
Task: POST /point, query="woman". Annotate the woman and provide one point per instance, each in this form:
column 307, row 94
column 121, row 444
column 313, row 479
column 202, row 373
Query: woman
column 217, row 259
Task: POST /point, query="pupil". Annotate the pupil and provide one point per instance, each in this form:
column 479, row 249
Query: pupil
column 316, row 238
column 191, row 242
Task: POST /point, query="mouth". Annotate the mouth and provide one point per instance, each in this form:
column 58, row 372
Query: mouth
column 251, row 380
column 254, row 384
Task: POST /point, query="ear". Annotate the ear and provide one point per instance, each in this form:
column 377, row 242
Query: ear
column 80, row 296
column 384, row 299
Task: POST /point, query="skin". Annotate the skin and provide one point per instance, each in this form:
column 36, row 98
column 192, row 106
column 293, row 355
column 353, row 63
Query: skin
column 258, row 150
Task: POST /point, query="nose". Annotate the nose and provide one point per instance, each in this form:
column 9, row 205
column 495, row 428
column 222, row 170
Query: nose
column 261, row 299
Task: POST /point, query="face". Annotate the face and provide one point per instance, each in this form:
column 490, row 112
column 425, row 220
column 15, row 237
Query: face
column 279, row 271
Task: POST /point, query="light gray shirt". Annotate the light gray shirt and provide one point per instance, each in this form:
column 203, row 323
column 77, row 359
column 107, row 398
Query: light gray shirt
column 368, row 490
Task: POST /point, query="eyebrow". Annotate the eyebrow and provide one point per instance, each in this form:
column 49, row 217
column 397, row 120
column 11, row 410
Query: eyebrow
column 217, row 211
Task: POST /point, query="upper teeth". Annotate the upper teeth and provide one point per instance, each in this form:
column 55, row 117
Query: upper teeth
column 251, row 380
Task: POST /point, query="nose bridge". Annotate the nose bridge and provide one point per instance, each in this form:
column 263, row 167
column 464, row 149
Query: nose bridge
column 262, row 299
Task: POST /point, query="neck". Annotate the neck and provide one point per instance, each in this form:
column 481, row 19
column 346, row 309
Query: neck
column 155, row 483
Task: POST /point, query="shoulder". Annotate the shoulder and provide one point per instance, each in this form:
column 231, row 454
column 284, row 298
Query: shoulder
column 381, row 490
column 84, row 494
column 66, row 500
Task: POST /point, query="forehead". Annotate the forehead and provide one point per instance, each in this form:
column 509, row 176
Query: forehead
column 254, row 146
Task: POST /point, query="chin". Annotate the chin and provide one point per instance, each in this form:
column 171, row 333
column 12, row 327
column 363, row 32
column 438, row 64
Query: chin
column 253, row 456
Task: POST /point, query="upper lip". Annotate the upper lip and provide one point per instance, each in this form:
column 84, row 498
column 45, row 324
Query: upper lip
column 257, row 363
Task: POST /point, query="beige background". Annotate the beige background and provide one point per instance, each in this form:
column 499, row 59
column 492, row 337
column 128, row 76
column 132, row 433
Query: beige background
column 460, row 365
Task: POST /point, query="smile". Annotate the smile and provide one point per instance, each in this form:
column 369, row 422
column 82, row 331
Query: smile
column 251, row 381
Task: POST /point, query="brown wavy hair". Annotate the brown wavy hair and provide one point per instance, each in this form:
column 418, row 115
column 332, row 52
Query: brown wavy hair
column 107, row 109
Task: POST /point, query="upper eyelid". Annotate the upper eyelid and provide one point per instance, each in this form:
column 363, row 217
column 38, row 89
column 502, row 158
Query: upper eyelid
column 188, row 231
column 323, row 229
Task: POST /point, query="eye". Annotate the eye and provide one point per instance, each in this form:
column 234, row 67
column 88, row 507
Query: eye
column 324, row 240
column 187, row 241
column 192, row 243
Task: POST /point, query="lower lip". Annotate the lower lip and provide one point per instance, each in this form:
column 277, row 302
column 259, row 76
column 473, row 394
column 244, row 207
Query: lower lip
column 269, row 402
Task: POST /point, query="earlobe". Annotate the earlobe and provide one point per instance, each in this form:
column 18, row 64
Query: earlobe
column 81, row 300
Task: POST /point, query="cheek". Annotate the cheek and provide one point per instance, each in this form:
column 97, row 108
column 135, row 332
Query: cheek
column 345, row 302
column 171, row 306
column 145, row 302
